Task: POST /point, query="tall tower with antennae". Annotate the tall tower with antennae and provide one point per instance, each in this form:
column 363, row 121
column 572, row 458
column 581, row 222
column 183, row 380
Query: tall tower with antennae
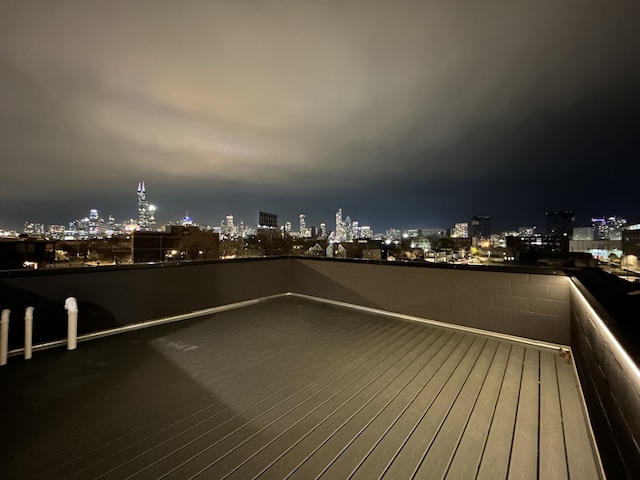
column 143, row 208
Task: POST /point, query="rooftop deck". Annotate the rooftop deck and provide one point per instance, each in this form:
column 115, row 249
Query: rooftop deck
column 290, row 387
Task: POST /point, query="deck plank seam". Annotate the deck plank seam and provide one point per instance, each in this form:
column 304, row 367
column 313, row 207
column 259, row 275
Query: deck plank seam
column 264, row 413
column 424, row 413
column 409, row 404
column 296, row 407
column 434, row 340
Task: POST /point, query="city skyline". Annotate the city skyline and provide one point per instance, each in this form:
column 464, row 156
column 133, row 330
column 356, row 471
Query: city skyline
column 404, row 114
column 477, row 226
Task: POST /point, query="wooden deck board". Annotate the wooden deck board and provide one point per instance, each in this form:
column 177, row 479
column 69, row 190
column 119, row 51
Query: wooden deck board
column 383, row 454
column 412, row 454
column 298, row 444
column 298, row 424
column 357, row 451
column 299, row 389
column 497, row 451
column 524, row 451
column 438, row 457
column 553, row 459
column 468, row 453
column 581, row 460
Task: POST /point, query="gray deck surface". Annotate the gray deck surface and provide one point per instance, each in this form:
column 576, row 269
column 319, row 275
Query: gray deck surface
column 294, row 388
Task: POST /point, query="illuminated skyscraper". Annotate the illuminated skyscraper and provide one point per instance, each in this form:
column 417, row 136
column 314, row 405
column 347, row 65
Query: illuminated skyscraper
column 599, row 226
column 357, row 231
column 608, row 228
column 94, row 223
column 143, row 208
column 229, row 229
column 303, row 226
column 348, row 229
column 615, row 225
column 341, row 231
column 460, row 230
column 35, row 229
column 151, row 217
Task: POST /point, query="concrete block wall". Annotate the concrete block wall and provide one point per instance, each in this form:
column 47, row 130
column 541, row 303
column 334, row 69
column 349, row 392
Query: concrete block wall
column 524, row 304
column 531, row 305
column 610, row 385
column 112, row 297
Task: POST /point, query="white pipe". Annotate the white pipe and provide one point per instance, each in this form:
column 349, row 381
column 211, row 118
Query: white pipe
column 4, row 336
column 28, row 332
column 71, row 306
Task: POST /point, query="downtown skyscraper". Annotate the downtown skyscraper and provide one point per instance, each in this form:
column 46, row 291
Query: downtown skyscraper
column 146, row 212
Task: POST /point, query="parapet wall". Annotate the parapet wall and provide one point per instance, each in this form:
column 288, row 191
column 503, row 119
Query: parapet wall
column 110, row 297
column 529, row 305
column 610, row 382
column 525, row 304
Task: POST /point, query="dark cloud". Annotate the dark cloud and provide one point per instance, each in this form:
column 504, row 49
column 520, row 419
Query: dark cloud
column 425, row 111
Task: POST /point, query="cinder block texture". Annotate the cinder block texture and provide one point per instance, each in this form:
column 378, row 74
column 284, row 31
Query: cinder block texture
column 534, row 305
column 610, row 386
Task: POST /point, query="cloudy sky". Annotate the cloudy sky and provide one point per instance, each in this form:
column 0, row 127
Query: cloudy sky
column 403, row 113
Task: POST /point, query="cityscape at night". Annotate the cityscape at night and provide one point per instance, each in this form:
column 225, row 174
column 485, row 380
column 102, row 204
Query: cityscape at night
column 409, row 116
column 332, row 239
column 609, row 241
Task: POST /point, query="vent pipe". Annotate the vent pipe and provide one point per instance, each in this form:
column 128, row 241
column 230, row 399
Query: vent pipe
column 4, row 336
column 28, row 332
column 71, row 306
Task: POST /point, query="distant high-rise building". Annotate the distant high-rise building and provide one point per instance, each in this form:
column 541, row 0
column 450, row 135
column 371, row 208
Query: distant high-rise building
column 582, row 233
column 480, row 228
column 56, row 232
column 228, row 228
column 34, row 229
column 151, row 218
column 615, row 225
column 365, row 232
column 341, row 230
column 143, row 208
column 631, row 245
column 357, row 230
column 303, row 226
column 526, row 231
column 609, row 228
column 560, row 223
column 187, row 221
column 348, row 229
column 94, row 223
column 460, row 230
column 323, row 229
column 599, row 229
column 393, row 234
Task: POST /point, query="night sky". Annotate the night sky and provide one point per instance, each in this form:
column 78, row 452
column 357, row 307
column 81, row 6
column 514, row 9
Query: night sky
column 405, row 114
